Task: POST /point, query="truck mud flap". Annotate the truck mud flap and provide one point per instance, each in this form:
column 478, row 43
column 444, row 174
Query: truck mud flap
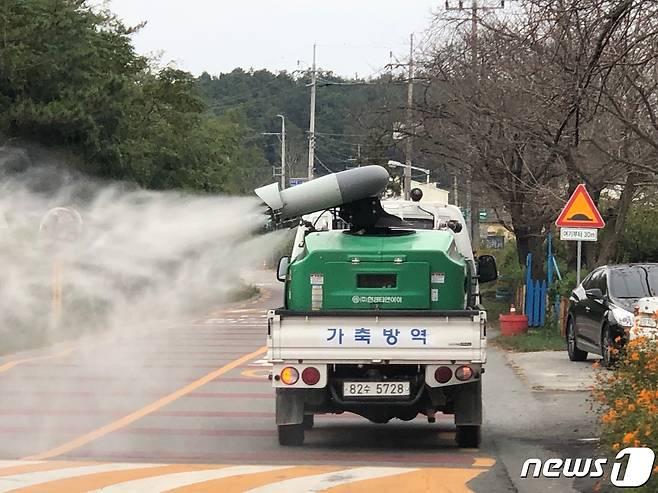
column 289, row 407
column 468, row 404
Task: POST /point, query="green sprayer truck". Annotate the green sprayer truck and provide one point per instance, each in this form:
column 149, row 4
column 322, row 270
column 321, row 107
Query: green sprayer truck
column 381, row 314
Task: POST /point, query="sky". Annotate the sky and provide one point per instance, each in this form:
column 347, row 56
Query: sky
column 216, row 36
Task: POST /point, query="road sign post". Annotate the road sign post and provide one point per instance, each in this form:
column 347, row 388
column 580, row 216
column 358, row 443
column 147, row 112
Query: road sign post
column 58, row 227
column 579, row 221
column 579, row 257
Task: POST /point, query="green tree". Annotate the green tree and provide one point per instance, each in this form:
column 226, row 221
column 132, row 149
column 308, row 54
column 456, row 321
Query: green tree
column 70, row 78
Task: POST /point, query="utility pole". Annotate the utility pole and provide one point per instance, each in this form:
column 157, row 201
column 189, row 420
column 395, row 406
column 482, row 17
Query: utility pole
column 410, row 102
column 283, row 151
column 472, row 197
column 474, row 202
column 311, row 129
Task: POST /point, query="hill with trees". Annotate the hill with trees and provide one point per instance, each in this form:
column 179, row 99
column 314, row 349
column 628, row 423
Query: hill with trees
column 346, row 129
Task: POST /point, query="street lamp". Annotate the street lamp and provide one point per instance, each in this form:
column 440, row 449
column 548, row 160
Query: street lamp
column 397, row 164
column 283, row 151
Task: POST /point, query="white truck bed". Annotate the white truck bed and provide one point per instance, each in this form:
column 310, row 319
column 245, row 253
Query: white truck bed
column 354, row 336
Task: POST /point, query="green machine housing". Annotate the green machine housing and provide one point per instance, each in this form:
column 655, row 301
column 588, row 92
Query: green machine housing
column 408, row 270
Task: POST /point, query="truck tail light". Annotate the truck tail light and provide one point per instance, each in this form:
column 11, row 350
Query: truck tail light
column 310, row 375
column 443, row 374
column 289, row 375
column 464, row 373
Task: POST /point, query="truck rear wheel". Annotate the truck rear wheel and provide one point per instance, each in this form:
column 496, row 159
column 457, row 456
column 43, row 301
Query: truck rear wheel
column 468, row 436
column 291, row 435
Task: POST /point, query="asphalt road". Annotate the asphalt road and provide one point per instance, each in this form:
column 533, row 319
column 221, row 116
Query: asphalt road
column 189, row 408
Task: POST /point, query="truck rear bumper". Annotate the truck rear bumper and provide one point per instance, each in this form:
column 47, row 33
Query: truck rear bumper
column 463, row 401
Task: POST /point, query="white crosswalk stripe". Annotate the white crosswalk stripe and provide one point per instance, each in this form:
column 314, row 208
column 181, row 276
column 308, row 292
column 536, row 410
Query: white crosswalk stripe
column 168, row 482
column 15, row 463
column 15, row 481
column 319, row 482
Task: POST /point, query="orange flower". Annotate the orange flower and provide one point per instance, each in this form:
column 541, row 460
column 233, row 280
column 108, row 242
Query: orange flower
column 645, row 397
column 609, row 417
column 635, row 356
column 615, row 446
column 631, row 407
column 629, row 437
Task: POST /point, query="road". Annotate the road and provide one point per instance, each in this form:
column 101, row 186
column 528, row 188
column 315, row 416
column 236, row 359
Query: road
column 189, row 408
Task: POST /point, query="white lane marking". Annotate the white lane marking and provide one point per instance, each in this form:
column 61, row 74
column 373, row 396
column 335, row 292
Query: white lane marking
column 15, row 481
column 319, row 482
column 167, row 482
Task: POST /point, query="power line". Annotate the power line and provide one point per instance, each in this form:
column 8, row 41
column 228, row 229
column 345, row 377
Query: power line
column 323, row 165
column 347, row 143
column 326, row 134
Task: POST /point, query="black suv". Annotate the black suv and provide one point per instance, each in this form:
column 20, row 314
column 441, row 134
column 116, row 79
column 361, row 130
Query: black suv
column 601, row 309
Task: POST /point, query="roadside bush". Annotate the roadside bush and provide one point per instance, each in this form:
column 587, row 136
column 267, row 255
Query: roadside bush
column 628, row 402
column 508, row 264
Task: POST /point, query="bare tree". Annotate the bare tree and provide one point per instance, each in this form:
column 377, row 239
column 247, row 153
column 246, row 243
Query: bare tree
column 566, row 94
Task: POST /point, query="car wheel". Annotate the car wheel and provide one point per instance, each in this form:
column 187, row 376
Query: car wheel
column 291, row 435
column 575, row 354
column 608, row 349
column 468, row 436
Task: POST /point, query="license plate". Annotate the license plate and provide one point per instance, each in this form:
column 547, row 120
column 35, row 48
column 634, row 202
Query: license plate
column 647, row 322
column 375, row 389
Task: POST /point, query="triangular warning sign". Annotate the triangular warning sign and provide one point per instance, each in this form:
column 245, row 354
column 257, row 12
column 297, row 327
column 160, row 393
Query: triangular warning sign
column 580, row 211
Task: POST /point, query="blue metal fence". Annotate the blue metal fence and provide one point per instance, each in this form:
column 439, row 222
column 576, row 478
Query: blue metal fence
column 536, row 295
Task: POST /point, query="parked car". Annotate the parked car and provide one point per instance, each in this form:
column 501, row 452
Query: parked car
column 601, row 309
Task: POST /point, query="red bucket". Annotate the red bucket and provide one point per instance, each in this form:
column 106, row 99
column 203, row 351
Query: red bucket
column 513, row 324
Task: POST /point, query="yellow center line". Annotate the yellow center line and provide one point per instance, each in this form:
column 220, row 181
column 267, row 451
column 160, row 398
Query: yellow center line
column 154, row 406
column 11, row 364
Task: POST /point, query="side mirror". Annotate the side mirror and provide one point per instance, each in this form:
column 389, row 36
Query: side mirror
column 487, row 269
column 594, row 293
column 282, row 269
column 456, row 226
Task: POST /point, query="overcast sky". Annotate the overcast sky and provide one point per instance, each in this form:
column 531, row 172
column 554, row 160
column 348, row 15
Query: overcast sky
column 353, row 36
